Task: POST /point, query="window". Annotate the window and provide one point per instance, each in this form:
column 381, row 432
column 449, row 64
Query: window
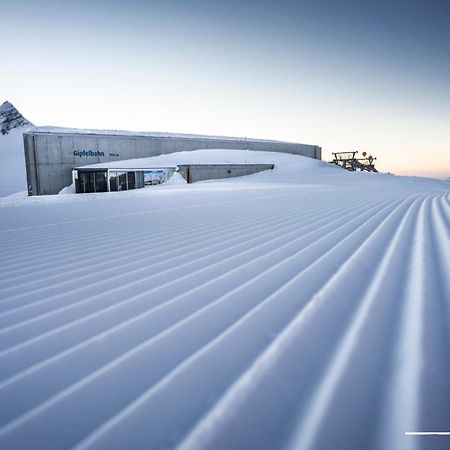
column 79, row 186
column 100, row 182
column 89, row 183
column 122, row 181
column 139, row 180
column 113, row 182
column 131, row 180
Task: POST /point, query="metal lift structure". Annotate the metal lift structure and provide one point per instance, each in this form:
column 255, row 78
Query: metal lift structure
column 349, row 161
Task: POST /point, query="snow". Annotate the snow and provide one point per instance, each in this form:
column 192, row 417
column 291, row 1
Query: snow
column 300, row 308
column 214, row 156
column 175, row 179
column 13, row 176
column 67, row 190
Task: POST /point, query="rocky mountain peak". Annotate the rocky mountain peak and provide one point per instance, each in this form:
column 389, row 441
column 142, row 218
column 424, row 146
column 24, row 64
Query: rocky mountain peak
column 11, row 118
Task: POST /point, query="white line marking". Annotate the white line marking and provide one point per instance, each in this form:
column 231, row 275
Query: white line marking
column 427, row 433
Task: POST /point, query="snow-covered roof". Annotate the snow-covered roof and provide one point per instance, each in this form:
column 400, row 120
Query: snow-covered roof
column 158, row 134
column 216, row 156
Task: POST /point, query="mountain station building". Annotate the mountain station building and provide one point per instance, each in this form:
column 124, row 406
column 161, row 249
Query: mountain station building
column 52, row 154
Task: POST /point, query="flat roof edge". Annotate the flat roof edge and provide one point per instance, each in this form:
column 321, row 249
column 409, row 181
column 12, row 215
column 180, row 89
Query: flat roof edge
column 124, row 168
column 170, row 167
column 153, row 135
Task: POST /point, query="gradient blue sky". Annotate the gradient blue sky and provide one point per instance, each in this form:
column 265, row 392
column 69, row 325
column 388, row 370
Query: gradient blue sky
column 372, row 76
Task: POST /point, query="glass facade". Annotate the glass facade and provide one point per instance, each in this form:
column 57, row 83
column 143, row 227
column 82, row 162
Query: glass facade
column 118, row 180
column 91, row 181
column 157, row 176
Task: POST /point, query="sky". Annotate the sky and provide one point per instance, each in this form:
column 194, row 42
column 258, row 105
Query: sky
column 370, row 76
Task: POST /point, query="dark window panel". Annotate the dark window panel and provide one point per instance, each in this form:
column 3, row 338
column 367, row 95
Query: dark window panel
column 113, row 181
column 131, row 180
column 100, row 182
column 122, row 181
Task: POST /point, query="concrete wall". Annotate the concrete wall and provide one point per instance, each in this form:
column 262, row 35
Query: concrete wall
column 50, row 156
column 202, row 172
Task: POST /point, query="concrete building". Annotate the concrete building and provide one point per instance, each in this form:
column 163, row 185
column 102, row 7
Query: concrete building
column 201, row 172
column 52, row 153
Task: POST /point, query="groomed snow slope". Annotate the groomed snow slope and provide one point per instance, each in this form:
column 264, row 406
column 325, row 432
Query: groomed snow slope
column 300, row 308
